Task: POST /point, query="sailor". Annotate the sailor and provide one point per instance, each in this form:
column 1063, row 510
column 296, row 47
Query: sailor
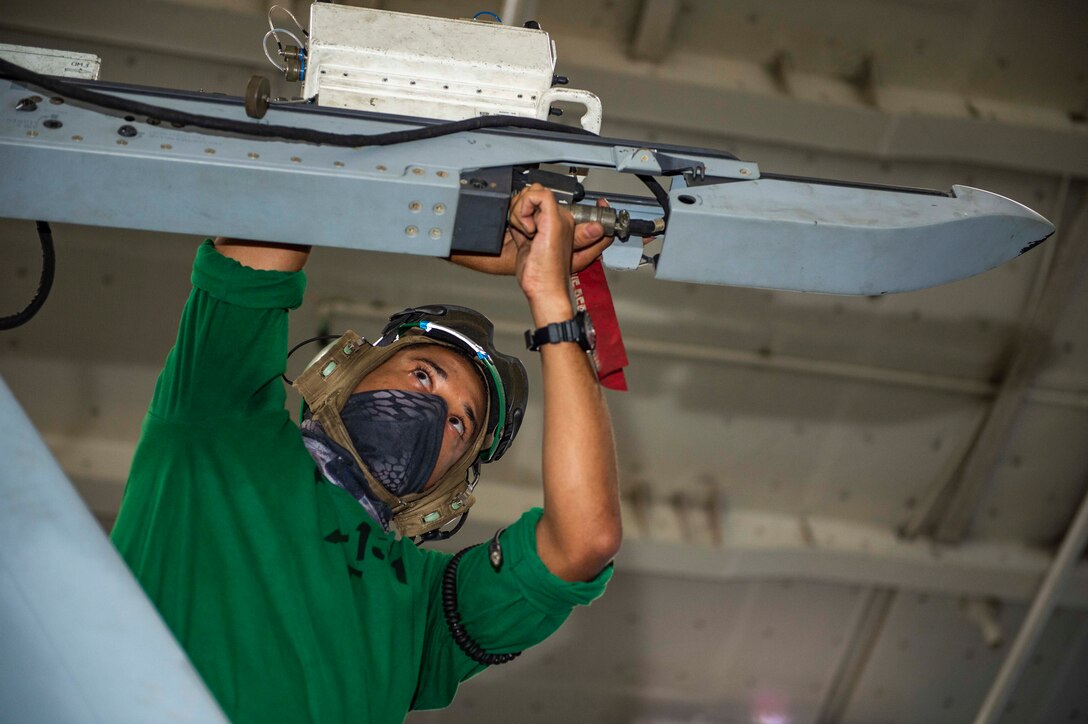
column 284, row 559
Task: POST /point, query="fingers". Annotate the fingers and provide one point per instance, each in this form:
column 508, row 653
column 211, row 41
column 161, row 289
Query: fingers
column 584, row 257
column 528, row 202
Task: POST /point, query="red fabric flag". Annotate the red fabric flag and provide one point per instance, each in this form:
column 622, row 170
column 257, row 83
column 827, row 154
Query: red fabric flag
column 591, row 294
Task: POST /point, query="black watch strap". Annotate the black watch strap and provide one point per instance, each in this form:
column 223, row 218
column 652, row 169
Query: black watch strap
column 578, row 329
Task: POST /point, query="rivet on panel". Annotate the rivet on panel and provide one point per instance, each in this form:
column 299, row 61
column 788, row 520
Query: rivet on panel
column 411, row 231
column 417, row 171
column 296, row 159
column 32, row 134
column 439, row 209
column 209, row 151
column 77, row 138
column 441, row 174
column 746, row 172
column 253, row 154
column 381, row 167
column 166, row 147
column 122, row 142
column 436, row 233
column 415, row 206
column 338, row 164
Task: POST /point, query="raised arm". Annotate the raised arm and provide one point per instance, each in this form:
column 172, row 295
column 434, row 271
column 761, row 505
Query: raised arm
column 263, row 255
column 580, row 531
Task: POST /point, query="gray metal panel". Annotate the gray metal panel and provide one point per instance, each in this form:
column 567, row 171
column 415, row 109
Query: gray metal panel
column 842, row 240
column 81, row 642
column 88, row 167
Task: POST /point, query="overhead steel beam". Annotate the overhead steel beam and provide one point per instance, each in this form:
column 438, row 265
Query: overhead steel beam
column 993, row 707
column 652, row 37
column 873, row 612
column 738, row 98
column 706, row 353
column 967, row 489
column 709, row 544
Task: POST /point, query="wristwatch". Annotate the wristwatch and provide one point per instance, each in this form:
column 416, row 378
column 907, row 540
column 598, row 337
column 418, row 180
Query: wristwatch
column 579, row 329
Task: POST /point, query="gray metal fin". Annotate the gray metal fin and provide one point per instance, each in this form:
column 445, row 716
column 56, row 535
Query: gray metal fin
column 840, row 239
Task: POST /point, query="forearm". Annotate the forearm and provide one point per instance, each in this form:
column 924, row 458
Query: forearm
column 264, row 255
column 580, row 531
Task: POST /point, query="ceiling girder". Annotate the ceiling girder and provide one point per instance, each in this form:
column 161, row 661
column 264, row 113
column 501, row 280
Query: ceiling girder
column 954, row 508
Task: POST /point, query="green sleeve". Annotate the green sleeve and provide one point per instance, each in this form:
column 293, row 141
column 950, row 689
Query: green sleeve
column 231, row 343
column 507, row 610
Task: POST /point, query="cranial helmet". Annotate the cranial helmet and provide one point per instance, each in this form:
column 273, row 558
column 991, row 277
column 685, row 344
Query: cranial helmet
column 329, row 381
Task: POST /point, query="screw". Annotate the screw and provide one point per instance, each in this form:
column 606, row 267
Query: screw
column 417, row 171
column 338, row 164
column 411, row 231
column 127, row 131
column 32, row 134
column 209, row 151
column 253, row 154
column 166, row 146
column 439, row 209
column 745, row 172
column 644, row 158
column 381, row 167
column 436, row 233
column 77, row 138
column 415, row 206
column 122, row 142
column 441, row 174
column 296, row 159
column 53, row 124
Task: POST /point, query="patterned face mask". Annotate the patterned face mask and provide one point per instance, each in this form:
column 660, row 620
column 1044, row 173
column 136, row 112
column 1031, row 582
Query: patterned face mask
column 398, row 435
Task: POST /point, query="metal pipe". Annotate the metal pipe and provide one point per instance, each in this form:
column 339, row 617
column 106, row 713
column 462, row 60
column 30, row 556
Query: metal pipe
column 1032, row 627
column 516, row 12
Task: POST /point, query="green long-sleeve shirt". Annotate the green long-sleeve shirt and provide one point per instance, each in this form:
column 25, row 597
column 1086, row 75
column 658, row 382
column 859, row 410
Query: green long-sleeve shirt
column 291, row 602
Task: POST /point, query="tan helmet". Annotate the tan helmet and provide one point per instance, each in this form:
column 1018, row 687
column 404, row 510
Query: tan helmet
column 331, row 378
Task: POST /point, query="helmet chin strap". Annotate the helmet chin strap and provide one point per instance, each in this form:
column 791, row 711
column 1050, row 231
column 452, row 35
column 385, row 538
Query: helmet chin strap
column 326, row 386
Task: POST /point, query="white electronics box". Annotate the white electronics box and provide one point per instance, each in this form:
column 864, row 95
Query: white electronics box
column 415, row 65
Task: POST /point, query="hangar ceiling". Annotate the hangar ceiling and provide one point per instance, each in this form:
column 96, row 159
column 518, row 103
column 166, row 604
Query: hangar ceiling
column 837, row 509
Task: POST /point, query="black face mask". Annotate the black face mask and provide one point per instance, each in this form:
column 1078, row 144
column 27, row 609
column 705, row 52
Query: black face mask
column 397, row 434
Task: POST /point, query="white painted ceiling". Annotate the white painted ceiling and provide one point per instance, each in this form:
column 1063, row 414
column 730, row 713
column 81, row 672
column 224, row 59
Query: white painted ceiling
column 786, row 459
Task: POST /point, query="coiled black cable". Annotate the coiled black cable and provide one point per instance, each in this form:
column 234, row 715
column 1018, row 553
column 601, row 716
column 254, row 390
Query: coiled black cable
column 45, row 281
column 453, row 618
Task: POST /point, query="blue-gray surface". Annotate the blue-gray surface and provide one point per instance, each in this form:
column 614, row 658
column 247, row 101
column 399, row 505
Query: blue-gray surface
column 79, row 640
